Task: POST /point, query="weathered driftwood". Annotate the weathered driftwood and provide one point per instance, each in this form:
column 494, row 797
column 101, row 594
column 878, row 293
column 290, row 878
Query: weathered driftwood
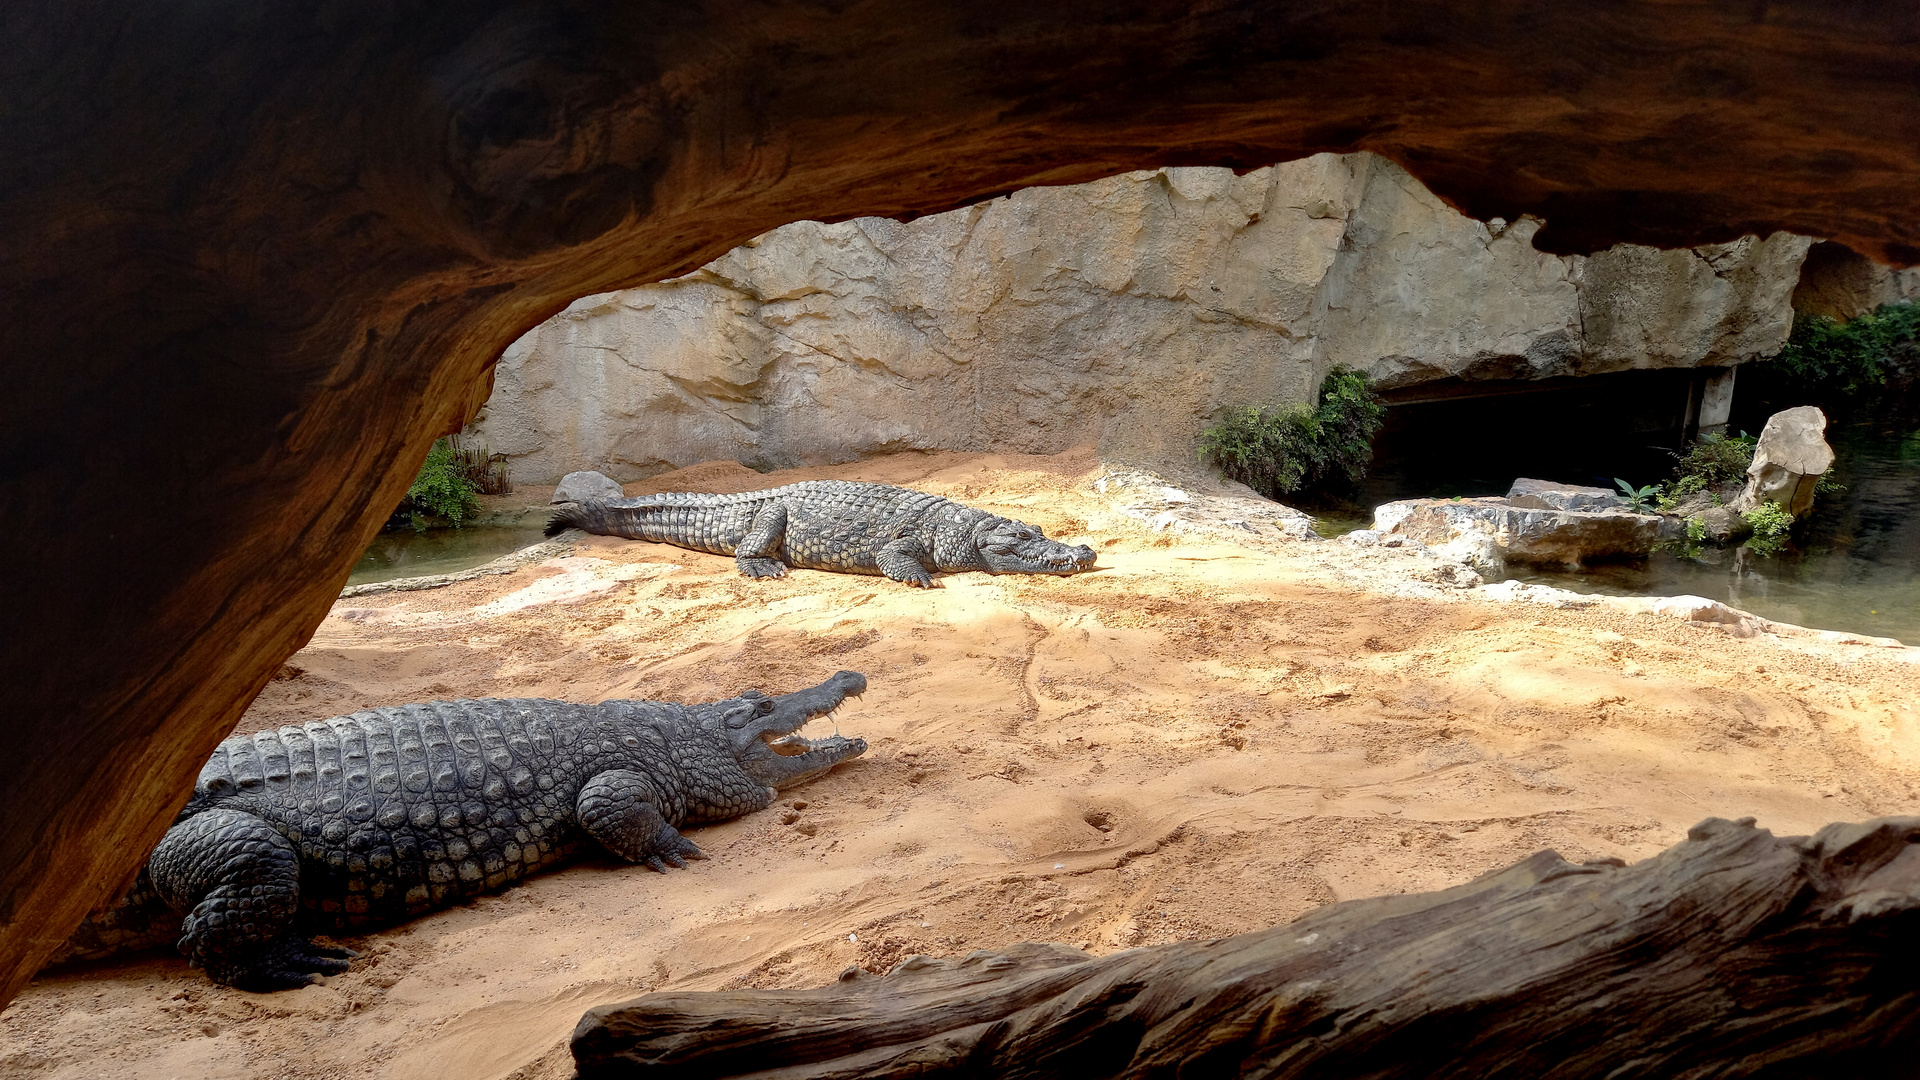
column 1736, row 953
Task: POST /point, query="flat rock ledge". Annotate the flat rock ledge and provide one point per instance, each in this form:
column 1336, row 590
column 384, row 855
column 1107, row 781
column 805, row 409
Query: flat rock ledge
column 1732, row 953
column 1235, row 512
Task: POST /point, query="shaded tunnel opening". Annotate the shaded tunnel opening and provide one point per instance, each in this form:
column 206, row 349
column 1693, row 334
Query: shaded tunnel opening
column 1457, row 437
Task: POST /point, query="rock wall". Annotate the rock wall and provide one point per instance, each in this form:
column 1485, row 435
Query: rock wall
column 1840, row 282
column 1123, row 312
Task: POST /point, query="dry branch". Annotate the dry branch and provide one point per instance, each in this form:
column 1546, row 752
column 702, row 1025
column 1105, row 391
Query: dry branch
column 1735, row 953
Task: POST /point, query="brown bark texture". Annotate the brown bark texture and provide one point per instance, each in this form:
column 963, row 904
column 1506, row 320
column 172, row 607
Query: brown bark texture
column 254, row 258
column 1734, row 953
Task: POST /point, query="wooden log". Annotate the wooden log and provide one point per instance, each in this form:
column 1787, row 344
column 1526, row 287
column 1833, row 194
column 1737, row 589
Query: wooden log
column 1734, row 953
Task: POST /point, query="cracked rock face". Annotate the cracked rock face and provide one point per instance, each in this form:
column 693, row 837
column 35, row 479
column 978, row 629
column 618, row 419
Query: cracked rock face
column 1122, row 312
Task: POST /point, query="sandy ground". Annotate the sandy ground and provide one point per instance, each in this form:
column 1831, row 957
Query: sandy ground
column 1199, row 740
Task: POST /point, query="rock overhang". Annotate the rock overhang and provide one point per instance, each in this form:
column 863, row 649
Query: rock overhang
column 315, row 232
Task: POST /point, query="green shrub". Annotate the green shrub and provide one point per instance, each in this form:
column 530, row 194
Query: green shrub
column 1712, row 461
column 1770, row 522
column 1696, row 530
column 446, row 490
column 1280, row 450
column 441, row 490
column 1852, row 356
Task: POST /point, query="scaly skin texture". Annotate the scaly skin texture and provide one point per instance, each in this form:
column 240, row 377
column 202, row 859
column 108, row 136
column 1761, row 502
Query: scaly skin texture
column 842, row 525
column 371, row 818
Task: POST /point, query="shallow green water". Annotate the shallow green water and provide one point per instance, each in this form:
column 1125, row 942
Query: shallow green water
column 404, row 553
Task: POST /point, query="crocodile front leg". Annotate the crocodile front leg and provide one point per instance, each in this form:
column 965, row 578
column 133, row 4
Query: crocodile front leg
column 616, row 808
column 905, row 558
column 238, row 880
column 754, row 555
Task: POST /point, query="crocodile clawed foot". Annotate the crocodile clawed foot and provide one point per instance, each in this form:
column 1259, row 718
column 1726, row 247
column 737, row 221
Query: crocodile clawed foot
column 285, row 963
column 678, row 850
column 757, row 567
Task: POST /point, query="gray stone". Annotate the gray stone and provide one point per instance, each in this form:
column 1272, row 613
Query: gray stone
column 1696, row 503
column 1723, row 524
column 1465, row 529
column 1672, row 527
column 1547, row 495
column 586, row 484
column 1788, row 461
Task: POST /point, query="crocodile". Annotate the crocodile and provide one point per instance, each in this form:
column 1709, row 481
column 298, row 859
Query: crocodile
column 368, row 819
column 843, row 525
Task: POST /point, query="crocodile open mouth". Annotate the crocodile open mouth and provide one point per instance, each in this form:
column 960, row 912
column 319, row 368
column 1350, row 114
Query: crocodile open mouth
column 1065, row 562
column 794, row 744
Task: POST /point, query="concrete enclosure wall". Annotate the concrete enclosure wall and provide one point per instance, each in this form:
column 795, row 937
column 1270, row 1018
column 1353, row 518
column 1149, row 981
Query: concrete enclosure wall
column 1123, row 312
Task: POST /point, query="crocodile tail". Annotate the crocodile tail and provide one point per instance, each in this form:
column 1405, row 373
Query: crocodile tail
column 682, row 518
column 627, row 517
column 139, row 920
column 567, row 517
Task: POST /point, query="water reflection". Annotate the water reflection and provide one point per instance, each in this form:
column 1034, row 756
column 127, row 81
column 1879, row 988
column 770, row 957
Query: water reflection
column 405, row 553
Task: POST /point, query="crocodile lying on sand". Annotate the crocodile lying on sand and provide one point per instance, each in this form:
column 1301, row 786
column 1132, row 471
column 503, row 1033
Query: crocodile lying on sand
column 392, row 812
column 843, row 525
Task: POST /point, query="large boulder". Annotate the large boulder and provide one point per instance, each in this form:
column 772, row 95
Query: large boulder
column 586, row 484
column 1527, row 534
column 1789, row 459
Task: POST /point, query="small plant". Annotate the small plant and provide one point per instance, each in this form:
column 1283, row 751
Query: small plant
column 488, row 471
column 1696, row 530
column 442, row 489
column 450, row 482
column 1277, row 450
column 1639, row 500
column 1770, row 523
column 1677, row 492
column 1713, row 461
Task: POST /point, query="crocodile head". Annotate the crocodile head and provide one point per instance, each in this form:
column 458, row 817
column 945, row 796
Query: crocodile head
column 1007, row 546
column 762, row 731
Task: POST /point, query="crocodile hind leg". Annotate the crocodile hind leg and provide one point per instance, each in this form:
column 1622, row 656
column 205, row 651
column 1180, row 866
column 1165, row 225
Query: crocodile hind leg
column 754, row 554
column 616, row 808
column 238, row 880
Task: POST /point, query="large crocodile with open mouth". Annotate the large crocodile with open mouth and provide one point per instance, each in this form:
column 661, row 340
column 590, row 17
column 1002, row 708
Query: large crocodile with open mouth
column 388, row 813
column 843, row 525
